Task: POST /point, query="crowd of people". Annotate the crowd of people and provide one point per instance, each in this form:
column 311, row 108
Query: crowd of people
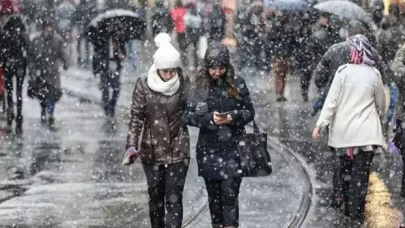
column 354, row 67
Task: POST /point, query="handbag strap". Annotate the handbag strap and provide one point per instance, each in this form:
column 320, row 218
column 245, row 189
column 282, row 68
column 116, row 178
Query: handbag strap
column 256, row 129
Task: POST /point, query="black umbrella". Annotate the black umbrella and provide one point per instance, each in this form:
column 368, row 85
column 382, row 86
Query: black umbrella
column 124, row 23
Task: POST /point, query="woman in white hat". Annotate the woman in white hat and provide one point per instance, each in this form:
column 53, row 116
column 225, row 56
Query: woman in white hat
column 157, row 105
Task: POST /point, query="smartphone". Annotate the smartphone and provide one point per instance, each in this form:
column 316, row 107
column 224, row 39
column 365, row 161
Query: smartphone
column 223, row 114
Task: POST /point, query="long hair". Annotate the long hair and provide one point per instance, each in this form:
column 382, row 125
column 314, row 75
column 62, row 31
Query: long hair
column 203, row 82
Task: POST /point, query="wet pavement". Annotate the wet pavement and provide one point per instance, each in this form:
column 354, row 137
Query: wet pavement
column 73, row 177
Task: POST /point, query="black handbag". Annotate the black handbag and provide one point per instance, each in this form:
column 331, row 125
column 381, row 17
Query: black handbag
column 254, row 157
column 399, row 138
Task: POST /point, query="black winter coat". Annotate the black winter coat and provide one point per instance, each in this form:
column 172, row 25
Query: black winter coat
column 336, row 56
column 217, row 154
column 282, row 39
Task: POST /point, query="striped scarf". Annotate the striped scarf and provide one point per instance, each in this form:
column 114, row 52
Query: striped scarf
column 360, row 50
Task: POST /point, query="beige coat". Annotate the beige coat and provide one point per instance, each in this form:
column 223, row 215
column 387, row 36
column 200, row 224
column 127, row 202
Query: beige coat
column 354, row 107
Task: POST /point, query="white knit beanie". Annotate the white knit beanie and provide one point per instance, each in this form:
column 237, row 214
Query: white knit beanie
column 166, row 56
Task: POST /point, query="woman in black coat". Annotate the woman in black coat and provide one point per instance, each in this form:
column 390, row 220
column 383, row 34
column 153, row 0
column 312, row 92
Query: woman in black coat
column 219, row 104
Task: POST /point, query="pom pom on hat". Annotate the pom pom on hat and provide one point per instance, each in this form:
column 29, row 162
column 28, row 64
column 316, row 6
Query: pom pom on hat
column 162, row 38
column 166, row 56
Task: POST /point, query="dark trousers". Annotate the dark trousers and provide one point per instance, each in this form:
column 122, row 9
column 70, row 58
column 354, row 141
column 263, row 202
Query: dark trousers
column 403, row 174
column 350, row 182
column 109, row 98
column 9, row 74
column 165, row 188
column 223, row 199
column 306, row 76
column 182, row 40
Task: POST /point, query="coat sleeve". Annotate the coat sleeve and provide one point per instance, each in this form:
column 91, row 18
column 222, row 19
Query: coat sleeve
column 331, row 102
column 322, row 71
column 246, row 113
column 190, row 117
column 137, row 115
column 379, row 97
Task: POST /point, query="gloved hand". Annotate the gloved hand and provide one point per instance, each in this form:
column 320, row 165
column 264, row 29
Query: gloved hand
column 202, row 108
column 130, row 156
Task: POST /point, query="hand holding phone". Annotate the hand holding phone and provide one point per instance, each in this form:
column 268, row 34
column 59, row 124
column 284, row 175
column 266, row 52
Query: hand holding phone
column 222, row 118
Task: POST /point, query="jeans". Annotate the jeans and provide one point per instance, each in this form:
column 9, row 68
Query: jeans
column 134, row 47
column 223, row 199
column 165, row 187
column 110, row 80
column 48, row 105
column 350, row 182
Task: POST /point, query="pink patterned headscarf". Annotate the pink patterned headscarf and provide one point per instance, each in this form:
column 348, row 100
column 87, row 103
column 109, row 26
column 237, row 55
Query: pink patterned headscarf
column 360, row 52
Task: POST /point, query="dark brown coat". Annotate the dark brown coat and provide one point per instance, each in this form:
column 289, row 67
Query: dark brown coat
column 165, row 138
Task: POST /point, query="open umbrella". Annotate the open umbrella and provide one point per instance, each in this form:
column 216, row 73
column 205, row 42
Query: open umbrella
column 128, row 24
column 286, row 5
column 344, row 9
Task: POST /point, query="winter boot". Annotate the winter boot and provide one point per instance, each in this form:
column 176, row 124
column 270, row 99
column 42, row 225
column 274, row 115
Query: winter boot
column 230, row 227
column 19, row 127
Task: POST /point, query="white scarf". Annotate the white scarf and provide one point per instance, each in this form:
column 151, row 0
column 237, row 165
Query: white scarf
column 156, row 84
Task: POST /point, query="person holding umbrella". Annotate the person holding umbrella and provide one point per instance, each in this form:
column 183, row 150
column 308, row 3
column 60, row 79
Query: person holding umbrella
column 114, row 27
column 157, row 105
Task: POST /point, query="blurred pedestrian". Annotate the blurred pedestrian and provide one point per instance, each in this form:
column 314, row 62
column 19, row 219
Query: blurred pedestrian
column 109, row 54
column 47, row 54
column 219, row 104
column 357, row 88
column 134, row 46
column 178, row 13
column 283, row 41
column 216, row 23
column 398, row 67
column 314, row 45
column 85, row 12
column 390, row 37
column 252, row 30
column 64, row 18
column 161, row 19
column 305, row 59
column 338, row 55
column 194, row 30
column 157, row 105
column 14, row 47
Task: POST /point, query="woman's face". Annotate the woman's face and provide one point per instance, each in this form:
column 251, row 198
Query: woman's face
column 216, row 72
column 167, row 74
